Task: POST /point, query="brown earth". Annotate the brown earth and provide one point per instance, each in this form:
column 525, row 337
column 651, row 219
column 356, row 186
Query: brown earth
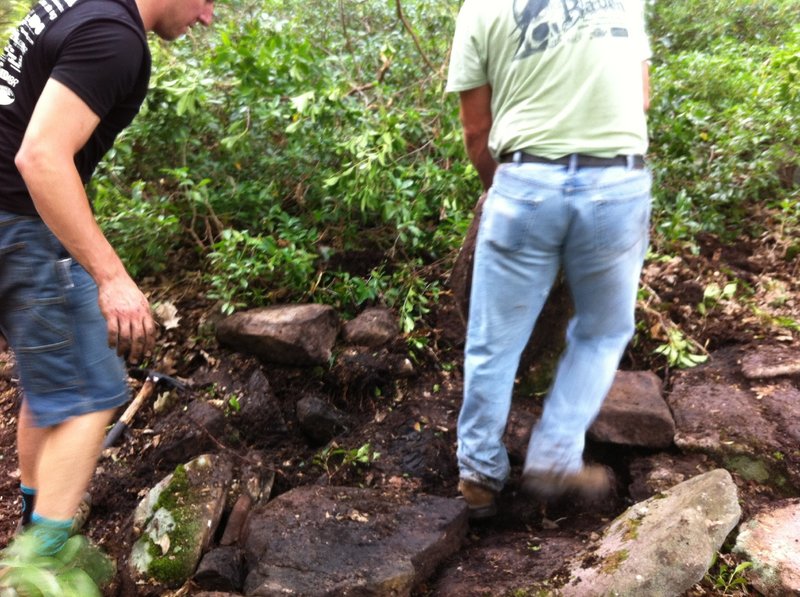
column 411, row 421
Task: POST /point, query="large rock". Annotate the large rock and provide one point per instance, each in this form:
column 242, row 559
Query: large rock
column 634, row 413
column 316, row 541
column 288, row 334
column 771, row 541
column 177, row 519
column 662, row 546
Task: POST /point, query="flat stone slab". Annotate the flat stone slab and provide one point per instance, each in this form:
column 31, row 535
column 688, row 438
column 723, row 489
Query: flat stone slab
column 634, row 413
column 316, row 541
column 771, row 541
column 750, row 426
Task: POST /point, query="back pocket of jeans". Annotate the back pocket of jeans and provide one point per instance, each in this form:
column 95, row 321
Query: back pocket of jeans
column 622, row 213
column 505, row 223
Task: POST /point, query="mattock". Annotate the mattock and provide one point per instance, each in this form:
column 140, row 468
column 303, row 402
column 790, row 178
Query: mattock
column 152, row 380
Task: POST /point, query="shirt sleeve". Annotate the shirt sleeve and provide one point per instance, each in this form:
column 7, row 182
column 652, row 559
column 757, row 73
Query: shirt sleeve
column 468, row 57
column 100, row 62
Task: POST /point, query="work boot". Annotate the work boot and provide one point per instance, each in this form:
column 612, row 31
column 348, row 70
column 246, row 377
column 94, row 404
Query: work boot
column 481, row 501
column 591, row 483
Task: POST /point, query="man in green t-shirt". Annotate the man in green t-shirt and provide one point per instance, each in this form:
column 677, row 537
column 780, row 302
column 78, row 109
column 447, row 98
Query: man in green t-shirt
column 553, row 98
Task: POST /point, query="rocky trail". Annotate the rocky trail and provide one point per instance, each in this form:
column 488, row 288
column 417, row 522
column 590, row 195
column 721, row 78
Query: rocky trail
column 309, row 455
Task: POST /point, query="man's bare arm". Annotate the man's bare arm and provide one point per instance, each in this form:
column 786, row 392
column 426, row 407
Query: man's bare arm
column 646, row 84
column 476, row 118
column 60, row 126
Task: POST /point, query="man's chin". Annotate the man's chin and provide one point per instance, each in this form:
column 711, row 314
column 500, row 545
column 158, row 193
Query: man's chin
column 172, row 34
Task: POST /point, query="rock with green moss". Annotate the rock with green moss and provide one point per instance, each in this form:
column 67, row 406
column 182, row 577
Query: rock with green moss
column 662, row 546
column 176, row 520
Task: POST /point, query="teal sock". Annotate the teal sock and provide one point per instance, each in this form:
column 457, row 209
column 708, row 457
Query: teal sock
column 51, row 534
column 28, row 498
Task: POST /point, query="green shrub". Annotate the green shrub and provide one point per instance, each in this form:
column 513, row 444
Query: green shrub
column 723, row 129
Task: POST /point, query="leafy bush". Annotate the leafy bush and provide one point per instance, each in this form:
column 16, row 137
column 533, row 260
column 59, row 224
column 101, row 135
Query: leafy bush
column 290, row 136
column 723, row 131
column 695, row 25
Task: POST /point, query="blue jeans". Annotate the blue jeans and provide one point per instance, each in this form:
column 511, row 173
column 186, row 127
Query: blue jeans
column 51, row 319
column 591, row 222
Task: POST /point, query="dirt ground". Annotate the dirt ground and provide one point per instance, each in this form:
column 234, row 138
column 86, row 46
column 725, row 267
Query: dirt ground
column 411, row 421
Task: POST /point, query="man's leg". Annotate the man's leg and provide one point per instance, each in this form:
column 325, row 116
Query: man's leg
column 516, row 262
column 67, row 459
column 602, row 262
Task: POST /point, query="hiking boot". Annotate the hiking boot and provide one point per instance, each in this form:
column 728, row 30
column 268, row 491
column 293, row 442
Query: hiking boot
column 81, row 514
column 591, row 483
column 481, row 501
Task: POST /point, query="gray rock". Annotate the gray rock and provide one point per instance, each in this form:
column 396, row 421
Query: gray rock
column 634, row 413
column 221, row 569
column 373, row 327
column 771, row 541
column 320, row 421
column 316, row 541
column 288, row 334
column 177, row 519
column 662, row 546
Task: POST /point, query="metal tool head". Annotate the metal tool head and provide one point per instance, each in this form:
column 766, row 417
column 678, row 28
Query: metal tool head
column 159, row 379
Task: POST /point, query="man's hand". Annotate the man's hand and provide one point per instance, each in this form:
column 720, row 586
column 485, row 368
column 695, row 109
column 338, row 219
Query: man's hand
column 131, row 329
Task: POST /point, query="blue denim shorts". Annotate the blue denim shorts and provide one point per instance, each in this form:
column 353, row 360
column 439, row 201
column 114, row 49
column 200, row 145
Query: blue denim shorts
column 51, row 319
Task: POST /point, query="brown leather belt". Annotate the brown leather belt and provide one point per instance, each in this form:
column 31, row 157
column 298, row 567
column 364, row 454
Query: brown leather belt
column 579, row 160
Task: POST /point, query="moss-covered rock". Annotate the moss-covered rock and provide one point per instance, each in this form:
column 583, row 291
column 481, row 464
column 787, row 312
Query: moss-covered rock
column 177, row 519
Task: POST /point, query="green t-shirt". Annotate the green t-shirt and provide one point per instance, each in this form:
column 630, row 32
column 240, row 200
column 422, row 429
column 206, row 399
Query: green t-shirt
column 566, row 75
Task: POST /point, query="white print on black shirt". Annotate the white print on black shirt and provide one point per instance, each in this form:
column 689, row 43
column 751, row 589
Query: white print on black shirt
column 12, row 60
column 543, row 24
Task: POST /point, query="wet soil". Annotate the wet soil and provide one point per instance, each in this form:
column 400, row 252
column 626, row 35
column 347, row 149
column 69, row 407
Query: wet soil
column 410, row 421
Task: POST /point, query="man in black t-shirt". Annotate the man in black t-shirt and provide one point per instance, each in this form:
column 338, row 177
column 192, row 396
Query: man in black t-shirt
column 72, row 76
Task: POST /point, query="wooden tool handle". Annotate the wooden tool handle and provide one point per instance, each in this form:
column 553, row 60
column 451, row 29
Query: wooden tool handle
column 122, row 424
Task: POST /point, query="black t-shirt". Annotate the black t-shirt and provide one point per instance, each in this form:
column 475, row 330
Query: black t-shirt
column 96, row 48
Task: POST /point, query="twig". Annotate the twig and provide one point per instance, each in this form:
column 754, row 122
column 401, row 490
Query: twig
column 378, row 78
column 408, row 28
